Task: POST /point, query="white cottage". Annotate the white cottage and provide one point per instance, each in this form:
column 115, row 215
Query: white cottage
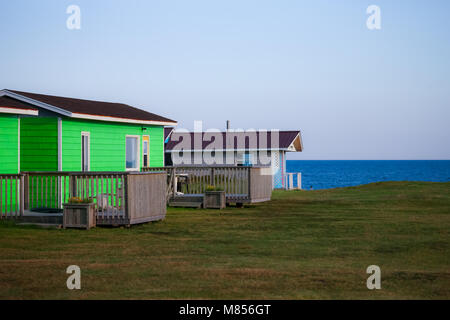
column 233, row 148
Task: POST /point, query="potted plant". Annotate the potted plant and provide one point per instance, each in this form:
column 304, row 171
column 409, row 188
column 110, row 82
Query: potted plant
column 79, row 213
column 214, row 198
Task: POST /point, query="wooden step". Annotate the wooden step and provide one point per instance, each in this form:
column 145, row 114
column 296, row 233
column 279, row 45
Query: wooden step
column 193, row 198
column 42, row 225
column 185, row 204
column 42, row 218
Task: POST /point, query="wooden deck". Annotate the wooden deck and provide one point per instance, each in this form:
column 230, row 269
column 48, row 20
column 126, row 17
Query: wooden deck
column 241, row 184
column 120, row 198
column 126, row 198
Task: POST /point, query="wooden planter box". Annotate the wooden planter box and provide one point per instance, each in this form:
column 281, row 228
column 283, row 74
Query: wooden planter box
column 214, row 200
column 79, row 215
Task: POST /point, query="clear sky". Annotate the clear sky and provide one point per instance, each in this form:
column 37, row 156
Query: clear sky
column 312, row 65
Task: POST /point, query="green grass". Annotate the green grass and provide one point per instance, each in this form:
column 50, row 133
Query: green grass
column 303, row 244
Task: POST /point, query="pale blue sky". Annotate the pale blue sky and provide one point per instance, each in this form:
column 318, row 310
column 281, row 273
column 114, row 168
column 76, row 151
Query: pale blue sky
column 309, row 65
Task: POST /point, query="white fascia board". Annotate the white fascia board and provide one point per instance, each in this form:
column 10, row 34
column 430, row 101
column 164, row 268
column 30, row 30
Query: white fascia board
column 116, row 119
column 35, row 102
column 19, row 111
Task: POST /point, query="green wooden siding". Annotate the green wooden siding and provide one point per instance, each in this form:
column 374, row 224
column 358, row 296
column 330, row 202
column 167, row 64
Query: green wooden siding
column 39, row 144
column 9, row 144
column 9, row 159
column 107, row 144
column 8, row 194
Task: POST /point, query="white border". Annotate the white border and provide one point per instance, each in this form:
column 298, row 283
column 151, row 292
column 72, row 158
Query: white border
column 138, row 152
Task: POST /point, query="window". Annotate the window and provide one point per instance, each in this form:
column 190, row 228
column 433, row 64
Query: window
column 244, row 158
column 146, row 151
column 85, row 151
column 132, row 153
column 248, row 159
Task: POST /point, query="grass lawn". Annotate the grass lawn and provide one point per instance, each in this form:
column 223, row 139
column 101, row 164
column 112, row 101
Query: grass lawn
column 301, row 245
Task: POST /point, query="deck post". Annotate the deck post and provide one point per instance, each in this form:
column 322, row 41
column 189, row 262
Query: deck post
column 213, row 182
column 292, row 182
column 26, row 191
column 174, row 182
column 125, row 196
column 22, row 195
column 299, row 180
column 73, row 183
column 249, row 170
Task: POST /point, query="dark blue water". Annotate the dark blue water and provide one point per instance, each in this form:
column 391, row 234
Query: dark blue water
column 325, row 174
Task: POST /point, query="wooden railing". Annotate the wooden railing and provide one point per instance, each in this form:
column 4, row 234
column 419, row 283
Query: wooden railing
column 119, row 197
column 146, row 196
column 108, row 190
column 261, row 184
column 46, row 190
column 291, row 183
column 50, row 190
column 241, row 184
column 11, row 195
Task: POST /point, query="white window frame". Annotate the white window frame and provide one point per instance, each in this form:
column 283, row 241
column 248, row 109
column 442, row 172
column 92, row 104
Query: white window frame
column 88, row 135
column 18, row 146
column 148, row 149
column 138, row 153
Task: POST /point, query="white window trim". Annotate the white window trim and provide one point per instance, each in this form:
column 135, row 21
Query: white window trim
column 59, row 144
column 18, row 145
column 86, row 134
column 148, row 149
column 138, row 153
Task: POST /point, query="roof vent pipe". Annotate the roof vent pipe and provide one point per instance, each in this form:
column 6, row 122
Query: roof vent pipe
column 228, row 125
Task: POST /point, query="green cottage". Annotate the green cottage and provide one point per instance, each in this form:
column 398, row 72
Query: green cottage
column 49, row 133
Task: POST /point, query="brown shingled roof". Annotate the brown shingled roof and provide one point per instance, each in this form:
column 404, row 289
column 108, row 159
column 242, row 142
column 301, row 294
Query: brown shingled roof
column 7, row 102
column 286, row 138
column 96, row 108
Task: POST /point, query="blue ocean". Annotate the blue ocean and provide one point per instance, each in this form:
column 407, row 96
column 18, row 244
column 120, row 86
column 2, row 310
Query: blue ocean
column 325, row 174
